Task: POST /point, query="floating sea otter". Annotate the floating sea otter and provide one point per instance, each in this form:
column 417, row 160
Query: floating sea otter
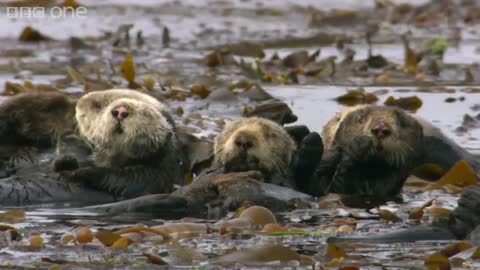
column 30, row 123
column 254, row 158
column 256, row 144
column 134, row 146
column 371, row 150
column 127, row 147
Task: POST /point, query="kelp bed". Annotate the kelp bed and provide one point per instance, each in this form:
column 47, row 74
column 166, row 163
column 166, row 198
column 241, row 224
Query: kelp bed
column 216, row 60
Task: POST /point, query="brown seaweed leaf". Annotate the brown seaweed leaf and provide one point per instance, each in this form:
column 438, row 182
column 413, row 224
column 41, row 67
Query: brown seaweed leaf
column 139, row 229
column 335, row 251
column 461, row 175
column 83, row 235
column 200, row 90
column 356, row 97
column 12, row 216
column 121, row 243
column 437, row 261
column 30, row 34
column 455, row 248
column 11, row 89
column 418, row 213
column 127, row 69
column 107, row 238
column 388, row 216
column 438, row 212
column 70, row 3
column 411, row 58
column 149, row 82
column 36, row 241
column 407, row 103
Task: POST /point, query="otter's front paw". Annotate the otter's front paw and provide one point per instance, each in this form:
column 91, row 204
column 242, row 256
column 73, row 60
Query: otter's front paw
column 360, row 148
column 306, row 159
column 65, row 163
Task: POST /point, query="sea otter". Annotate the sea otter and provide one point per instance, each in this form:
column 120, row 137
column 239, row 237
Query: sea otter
column 31, row 123
column 133, row 141
column 35, row 118
column 255, row 144
column 371, row 150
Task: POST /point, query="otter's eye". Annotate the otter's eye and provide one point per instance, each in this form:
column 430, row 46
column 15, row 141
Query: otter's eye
column 96, row 105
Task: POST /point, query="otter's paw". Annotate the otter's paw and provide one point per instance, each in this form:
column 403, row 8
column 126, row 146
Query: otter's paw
column 360, row 148
column 65, row 163
column 306, row 159
column 298, row 133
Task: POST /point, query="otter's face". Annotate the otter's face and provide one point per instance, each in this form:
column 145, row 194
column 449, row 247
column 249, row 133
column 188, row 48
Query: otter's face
column 126, row 122
column 254, row 144
column 396, row 135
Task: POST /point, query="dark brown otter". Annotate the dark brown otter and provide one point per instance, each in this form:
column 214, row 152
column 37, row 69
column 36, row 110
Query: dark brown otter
column 370, row 150
column 31, row 123
column 35, row 118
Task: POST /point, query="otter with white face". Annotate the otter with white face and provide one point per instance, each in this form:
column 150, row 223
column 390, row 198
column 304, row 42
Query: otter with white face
column 134, row 146
column 254, row 144
column 370, row 150
column 124, row 125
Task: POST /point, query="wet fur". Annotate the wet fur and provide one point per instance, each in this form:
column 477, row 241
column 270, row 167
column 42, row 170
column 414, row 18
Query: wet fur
column 35, row 119
column 142, row 155
column 273, row 147
column 29, row 123
column 356, row 162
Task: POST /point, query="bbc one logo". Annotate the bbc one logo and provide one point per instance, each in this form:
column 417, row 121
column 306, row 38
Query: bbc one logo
column 42, row 12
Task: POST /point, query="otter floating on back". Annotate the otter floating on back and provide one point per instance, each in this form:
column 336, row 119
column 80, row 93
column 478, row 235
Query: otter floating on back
column 133, row 141
column 254, row 144
column 371, row 150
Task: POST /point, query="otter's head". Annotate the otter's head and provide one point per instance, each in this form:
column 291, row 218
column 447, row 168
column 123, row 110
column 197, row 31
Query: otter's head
column 124, row 124
column 396, row 135
column 254, row 144
column 36, row 118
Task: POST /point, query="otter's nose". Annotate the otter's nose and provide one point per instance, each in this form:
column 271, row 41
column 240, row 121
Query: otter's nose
column 120, row 112
column 381, row 130
column 243, row 142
